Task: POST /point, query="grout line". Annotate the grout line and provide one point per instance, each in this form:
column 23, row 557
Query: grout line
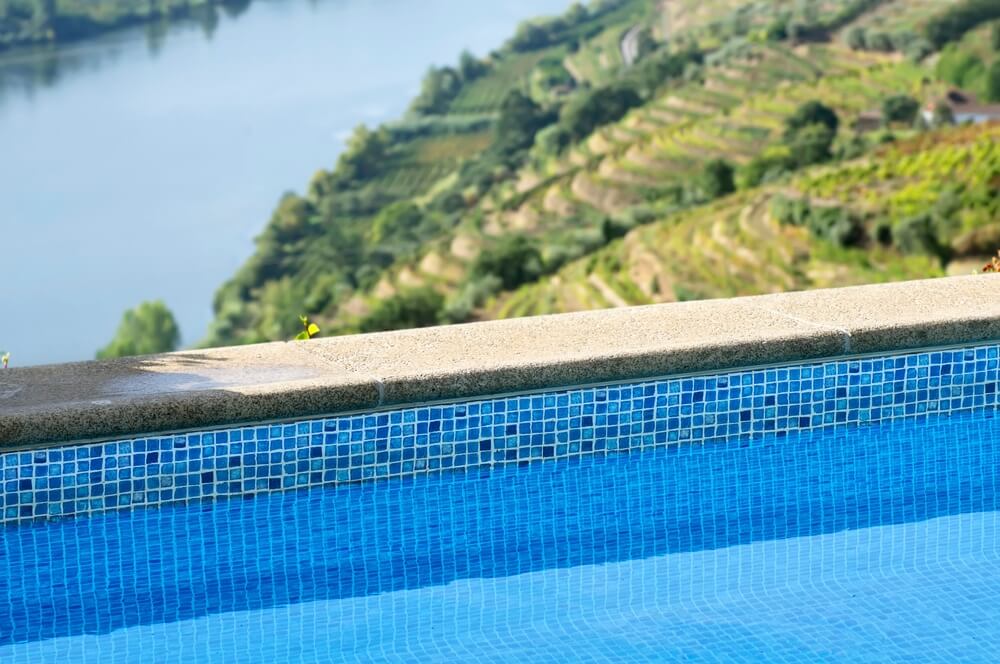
column 822, row 326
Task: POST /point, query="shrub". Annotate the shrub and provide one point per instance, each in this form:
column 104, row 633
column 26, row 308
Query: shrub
column 857, row 38
column 883, row 232
column 764, row 168
column 878, row 41
column 415, row 307
column 917, row 235
column 834, row 224
column 790, row 211
column 918, row 49
column 900, row 108
column 717, row 179
column 851, row 148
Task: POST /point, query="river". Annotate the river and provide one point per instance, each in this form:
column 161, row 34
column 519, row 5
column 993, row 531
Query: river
column 141, row 164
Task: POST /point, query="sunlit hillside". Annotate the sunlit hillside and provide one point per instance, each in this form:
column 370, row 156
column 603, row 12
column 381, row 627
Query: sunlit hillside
column 636, row 151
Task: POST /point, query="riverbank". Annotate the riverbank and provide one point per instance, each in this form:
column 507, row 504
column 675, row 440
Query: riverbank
column 56, row 24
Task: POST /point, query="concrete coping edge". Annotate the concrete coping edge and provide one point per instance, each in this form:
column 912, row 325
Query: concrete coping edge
column 203, row 389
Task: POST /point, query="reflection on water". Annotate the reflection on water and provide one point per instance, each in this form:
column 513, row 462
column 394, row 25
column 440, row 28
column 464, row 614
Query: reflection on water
column 25, row 69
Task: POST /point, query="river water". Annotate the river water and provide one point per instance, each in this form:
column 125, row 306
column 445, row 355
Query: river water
column 141, row 164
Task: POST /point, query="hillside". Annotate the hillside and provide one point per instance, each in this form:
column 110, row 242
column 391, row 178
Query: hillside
column 752, row 147
column 753, row 242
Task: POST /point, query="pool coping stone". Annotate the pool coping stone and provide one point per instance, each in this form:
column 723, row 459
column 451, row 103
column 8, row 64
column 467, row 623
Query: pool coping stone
column 202, row 389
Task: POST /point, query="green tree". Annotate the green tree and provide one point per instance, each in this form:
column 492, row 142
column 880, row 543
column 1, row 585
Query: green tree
column 149, row 328
column 918, row 235
column 396, row 223
column 415, row 307
column 439, row 87
column 959, row 18
column 717, row 179
column 995, row 35
column 959, row 67
column 520, row 119
column 470, row 67
column 514, row 260
column 993, row 81
column 777, row 30
column 900, row 108
column 576, row 14
column 530, row 35
column 762, row 168
column 810, row 132
column 811, row 145
column 552, row 140
column 364, row 156
column 598, row 107
column 811, row 113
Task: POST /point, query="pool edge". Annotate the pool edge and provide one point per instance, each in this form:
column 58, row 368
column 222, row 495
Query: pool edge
column 89, row 401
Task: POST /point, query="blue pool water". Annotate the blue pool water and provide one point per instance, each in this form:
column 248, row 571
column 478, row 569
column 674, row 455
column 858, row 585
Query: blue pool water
column 867, row 543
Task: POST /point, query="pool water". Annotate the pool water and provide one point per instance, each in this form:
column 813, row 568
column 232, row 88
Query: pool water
column 876, row 543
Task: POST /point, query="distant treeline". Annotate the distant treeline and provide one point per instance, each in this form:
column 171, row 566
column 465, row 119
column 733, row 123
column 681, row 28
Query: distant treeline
column 961, row 17
column 25, row 22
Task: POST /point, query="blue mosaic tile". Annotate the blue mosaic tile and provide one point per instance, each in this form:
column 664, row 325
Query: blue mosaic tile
column 845, row 544
column 609, row 419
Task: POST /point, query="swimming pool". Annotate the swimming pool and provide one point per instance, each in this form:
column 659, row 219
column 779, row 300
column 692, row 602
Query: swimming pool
column 843, row 510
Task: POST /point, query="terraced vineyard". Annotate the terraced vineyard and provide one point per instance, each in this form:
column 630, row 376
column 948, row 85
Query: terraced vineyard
column 612, row 208
column 602, row 59
column 900, row 14
column 661, row 144
column 735, row 113
column 485, row 94
column 731, row 248
column 909, row 179
column 596, row 60
column 709, row 21
column 418, row 164
column 738, row 247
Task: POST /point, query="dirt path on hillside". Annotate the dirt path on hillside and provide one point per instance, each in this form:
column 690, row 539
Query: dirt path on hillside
column 606, row 291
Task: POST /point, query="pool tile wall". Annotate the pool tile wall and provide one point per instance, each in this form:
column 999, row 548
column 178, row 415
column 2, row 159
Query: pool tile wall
column 162, row 469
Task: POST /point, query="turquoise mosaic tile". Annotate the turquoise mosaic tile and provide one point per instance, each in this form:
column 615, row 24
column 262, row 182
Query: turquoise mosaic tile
column 610, row 419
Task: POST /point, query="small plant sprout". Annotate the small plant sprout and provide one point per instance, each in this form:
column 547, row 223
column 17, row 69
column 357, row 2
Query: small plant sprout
column 5, row 359
column 993, row 265
column 310, row 331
